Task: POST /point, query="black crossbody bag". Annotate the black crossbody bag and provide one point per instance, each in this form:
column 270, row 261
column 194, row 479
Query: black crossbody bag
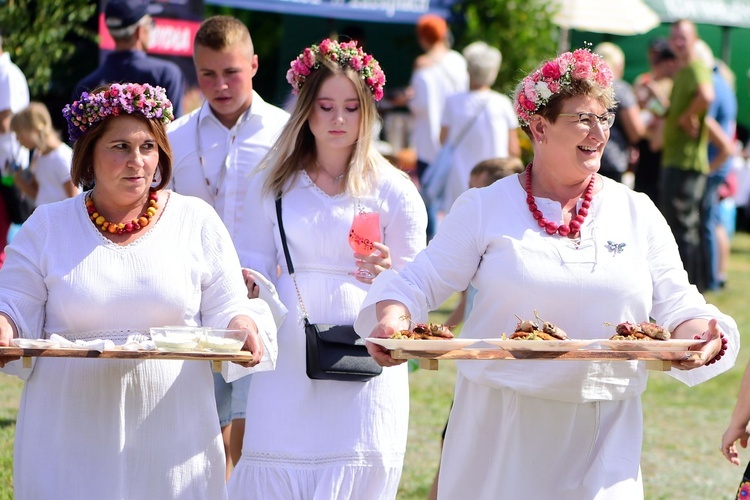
column 334, row 352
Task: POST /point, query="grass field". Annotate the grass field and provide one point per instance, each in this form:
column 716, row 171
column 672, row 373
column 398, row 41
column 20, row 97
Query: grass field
column 683, row 426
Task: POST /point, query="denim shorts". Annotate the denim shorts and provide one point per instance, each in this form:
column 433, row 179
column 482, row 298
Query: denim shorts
column 231, row 398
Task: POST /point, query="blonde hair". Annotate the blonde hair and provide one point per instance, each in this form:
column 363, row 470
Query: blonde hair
column 35, row 118
column 612, row 55
column 295, row 148
column 221, row 32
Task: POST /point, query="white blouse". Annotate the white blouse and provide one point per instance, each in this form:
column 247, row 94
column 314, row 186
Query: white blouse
column 490, row 240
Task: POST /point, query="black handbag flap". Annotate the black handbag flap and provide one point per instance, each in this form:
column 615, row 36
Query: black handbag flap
column 338, row 334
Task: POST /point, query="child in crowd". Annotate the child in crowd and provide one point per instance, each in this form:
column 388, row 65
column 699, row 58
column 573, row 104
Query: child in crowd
column 48, row 177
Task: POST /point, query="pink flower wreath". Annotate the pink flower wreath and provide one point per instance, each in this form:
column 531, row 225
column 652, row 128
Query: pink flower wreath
column 344, row 54
column 552, row 76
column 126, row 98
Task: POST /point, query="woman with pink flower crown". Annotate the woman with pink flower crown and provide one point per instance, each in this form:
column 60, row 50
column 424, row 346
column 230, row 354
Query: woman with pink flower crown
column 312, row 437
column 583, row 252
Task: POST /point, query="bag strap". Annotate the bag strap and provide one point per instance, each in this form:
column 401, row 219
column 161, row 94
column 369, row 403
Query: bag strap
column 463, row 132
column 288, row 257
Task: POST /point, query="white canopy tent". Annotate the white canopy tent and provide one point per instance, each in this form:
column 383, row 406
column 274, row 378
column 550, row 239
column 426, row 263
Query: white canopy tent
column 617, row 17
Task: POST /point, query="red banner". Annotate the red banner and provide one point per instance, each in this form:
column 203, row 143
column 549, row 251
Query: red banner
column 171, row 37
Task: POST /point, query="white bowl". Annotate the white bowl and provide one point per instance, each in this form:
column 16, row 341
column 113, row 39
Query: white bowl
column 176, row 338
column 223, row 339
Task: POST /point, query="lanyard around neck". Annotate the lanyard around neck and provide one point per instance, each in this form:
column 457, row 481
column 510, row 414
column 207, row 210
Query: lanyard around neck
column 224, row 164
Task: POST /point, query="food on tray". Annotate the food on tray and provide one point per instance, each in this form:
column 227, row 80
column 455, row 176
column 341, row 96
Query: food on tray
column 530, row 330
column 640, row 331
column 175, row 343
column 220, row 344
column 424, row 331
column 223, row 339
column 176, row 338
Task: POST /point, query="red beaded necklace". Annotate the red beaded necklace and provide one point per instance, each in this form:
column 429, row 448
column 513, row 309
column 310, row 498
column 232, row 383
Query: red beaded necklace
column 552, row 227
column 127, row 227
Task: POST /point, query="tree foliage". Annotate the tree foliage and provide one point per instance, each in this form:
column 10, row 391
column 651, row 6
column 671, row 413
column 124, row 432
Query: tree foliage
column 42, row 34
column 522, row 29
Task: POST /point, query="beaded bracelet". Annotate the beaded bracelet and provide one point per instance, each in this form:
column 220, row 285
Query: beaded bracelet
column 720, row 353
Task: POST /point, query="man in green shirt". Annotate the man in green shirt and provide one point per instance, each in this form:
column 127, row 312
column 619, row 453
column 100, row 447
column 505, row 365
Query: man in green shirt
column 685, row 153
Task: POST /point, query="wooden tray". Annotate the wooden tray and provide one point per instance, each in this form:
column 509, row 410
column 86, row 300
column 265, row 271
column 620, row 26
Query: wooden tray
column 655, row 360
column 67, row 352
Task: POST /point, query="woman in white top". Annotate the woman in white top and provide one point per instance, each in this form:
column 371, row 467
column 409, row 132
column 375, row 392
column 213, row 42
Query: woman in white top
column 49, row 170
column 480, row 123
column 581, row 250
column 326, row 439
column 108, row 264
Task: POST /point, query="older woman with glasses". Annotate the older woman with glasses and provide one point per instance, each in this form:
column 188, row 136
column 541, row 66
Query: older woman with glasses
column 581, row 250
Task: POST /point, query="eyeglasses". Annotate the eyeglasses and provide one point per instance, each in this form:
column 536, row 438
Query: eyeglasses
column 589, row 119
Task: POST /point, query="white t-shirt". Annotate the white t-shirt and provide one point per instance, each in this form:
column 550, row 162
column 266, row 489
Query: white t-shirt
column 14, row 91
column 432, row 85
column 14, row 95
column 51, row 172
column 489, row 116
column 236, row 152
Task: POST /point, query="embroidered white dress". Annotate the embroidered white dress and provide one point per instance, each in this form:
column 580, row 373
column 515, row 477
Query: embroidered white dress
column 129, row 429
column 319, row 439
column 538, row 429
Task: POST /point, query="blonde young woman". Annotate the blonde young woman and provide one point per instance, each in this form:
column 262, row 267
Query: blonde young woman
column 51, row 161
column 323, row 438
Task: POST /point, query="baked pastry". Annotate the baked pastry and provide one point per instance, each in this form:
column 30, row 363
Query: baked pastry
column 530, row 330
column 640, row 331
column 424, row 331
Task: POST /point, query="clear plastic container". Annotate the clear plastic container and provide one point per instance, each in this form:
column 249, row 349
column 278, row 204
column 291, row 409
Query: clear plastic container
column 177, row 338
column 223, row 339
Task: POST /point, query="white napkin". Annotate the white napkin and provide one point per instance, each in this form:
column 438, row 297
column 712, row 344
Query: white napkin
column 93, row 345
column 267, row 292
column 132, row 344
column 33, row 343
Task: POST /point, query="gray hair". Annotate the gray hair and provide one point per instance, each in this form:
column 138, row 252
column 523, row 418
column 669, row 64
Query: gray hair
column 483, row 63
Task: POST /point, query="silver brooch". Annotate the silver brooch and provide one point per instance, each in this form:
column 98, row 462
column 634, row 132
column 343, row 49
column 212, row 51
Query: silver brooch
column 615, row 248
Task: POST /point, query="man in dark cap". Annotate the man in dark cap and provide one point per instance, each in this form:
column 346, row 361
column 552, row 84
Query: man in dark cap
column 130, row 23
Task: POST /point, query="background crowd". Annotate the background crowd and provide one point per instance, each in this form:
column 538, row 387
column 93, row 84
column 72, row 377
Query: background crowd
column 671, row 134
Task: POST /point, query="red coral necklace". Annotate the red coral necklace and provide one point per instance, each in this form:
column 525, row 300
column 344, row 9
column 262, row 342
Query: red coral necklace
column 552, row 227
column 128, row 227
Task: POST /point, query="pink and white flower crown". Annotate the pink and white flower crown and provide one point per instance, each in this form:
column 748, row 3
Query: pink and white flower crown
column 344, row 54
column 551, row 77
column 126, row 98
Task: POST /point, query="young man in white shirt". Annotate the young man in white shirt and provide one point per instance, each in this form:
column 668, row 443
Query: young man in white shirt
column 216, row 147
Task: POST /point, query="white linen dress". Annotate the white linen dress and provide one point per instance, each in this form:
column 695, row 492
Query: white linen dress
column 320, row 439
column 537, row 429
column 128, row 429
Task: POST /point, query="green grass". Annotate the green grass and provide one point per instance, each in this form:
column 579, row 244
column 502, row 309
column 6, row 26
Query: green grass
column 683, row 426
